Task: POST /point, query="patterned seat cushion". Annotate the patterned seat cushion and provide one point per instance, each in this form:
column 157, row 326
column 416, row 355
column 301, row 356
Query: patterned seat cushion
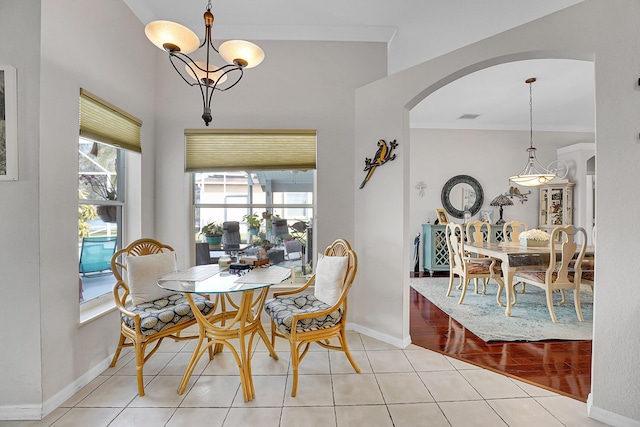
column 587, row 276
column 481, row 261
column 158, row 315
column 540, row 276
column 587, row 264
column 282, row 310
column 478, row 268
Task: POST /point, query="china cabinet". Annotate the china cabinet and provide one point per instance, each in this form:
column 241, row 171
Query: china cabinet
column 556, row 205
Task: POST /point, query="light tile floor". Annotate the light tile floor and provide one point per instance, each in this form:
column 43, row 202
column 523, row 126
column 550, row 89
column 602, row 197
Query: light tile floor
column 410, row 387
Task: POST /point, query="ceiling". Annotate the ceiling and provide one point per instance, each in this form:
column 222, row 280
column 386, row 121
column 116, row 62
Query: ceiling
column 416, row 31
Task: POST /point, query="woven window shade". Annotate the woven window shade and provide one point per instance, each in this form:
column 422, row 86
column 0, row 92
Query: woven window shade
column 249, row 150
column 103, row 122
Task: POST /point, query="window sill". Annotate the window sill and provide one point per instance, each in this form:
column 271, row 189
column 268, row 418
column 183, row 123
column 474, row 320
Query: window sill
column 94, row 309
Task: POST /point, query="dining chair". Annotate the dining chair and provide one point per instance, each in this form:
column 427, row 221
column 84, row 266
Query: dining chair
column 558, row 275
column 589, row 264
column 148, row 313
column 203, row 255
column 511, row 233
column 280, row 229
column 462, row 264
column 293, row 250
column 304, row 318
column 480, row 231
column 588, row 272
column 231, row 234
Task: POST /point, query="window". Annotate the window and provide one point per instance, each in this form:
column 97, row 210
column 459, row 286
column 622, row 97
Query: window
column 266, row 174
column 106, row 133
column 100, row 207
column 230, row 196
column 269, row 196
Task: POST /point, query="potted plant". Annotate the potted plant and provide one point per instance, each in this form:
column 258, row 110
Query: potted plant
column 268, row 218
column 261, row 241
column 85, row 214
column 104, row 187
column 253, row 221
column 213, row 233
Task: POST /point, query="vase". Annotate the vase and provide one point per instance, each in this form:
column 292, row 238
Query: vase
column 107, row 213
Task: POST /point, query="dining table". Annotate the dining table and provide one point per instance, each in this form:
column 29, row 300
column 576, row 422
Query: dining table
column 514, row 257
column 239, row 297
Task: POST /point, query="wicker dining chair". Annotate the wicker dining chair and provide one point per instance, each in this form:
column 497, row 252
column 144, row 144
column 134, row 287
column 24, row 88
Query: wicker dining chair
column 148, row 313
column 304, row 318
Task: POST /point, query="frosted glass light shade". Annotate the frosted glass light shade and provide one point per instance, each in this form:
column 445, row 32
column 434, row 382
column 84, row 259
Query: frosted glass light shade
column 532, row 176
column 241, row 52
column 169, row 35
column 200, row 76
column 532, row 180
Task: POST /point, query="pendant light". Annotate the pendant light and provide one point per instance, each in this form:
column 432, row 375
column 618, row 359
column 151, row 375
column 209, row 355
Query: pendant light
column 179, row 41
column 533, row 173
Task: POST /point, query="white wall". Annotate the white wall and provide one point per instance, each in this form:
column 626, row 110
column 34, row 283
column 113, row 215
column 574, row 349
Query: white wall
column 592, row 30
column 105, row 53
column 103, row 50
column 19, row 253
column 307, row 85
column 488, row 156
column 300, row 85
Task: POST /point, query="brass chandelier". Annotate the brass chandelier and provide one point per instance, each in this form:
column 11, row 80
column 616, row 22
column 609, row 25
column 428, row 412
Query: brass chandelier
column 179, row 41
column 533, row 173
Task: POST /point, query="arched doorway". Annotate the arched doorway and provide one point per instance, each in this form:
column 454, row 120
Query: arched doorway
column 444, row 133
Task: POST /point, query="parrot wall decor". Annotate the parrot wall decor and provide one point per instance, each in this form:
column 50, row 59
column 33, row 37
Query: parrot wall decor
column 382, row 156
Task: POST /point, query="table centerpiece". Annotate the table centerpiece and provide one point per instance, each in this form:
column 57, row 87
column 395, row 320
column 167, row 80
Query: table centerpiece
column 534, row 238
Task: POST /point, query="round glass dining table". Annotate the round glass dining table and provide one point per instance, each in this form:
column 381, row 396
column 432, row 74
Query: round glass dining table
column 238, row 302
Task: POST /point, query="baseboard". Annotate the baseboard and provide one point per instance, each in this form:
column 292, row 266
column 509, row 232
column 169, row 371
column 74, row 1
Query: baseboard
column 38, row 412
column 23, row 412
column 608, row 417
column 400, row 343
column 64, row 394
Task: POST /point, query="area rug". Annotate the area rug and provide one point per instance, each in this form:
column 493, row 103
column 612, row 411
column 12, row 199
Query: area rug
column 529, row 320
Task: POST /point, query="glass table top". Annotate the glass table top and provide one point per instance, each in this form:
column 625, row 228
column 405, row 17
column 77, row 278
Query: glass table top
column 211, row 279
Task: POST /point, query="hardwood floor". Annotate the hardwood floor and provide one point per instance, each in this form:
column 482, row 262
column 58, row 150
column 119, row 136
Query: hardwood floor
column 561, row 366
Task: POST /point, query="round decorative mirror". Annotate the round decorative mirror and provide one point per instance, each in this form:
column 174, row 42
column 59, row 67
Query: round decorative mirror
column 462, row 193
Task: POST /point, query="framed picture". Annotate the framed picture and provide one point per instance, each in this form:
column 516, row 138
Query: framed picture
column 8, row 124
column 442, row 216
column 486, row 216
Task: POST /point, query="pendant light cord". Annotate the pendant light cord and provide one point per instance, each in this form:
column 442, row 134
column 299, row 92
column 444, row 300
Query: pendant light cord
column 531, row 113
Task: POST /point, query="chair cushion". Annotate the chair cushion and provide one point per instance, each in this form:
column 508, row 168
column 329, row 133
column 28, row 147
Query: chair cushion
column 539, row 276
column 478, row 268
column 330, row 274
column 163, row 313
column 282, row 310
column 587, row 264
column 588, row 276
column 497, row 266
column 143, row 273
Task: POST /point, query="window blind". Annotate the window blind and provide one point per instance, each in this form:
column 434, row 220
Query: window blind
column 103, row 122
column 249, row 150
